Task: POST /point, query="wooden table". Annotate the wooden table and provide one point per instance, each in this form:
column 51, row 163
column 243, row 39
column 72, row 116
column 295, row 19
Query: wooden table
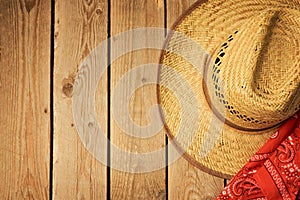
column 42, row 44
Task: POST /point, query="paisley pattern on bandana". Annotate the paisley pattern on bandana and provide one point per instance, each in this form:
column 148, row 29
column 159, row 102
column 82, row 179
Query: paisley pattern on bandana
column 274, row 171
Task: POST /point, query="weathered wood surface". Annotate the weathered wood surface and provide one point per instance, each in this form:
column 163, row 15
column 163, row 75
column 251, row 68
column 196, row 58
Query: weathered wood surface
column 25, row 120
column 79, row 27
column 125, row 16
column 24, row 99
column 186, row 181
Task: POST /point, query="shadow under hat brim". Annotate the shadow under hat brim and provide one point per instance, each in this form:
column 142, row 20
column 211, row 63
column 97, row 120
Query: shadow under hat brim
column 233, row 147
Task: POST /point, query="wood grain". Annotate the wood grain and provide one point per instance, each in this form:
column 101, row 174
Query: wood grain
column 24, row 99
column 128, row 15
column 186, row 181
column 79, row 27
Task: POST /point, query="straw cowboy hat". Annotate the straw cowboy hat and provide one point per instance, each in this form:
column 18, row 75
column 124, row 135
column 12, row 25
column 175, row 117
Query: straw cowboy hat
column 234, row 68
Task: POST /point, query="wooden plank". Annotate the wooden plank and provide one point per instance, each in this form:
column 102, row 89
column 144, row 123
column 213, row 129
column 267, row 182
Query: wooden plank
column 79, row 27
column 24, row 99
column 127, row 15
column 186, row 181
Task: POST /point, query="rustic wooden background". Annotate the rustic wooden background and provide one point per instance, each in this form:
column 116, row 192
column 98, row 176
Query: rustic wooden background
column 42, row 44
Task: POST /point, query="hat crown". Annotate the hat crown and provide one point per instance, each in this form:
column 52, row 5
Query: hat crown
column 254, row 78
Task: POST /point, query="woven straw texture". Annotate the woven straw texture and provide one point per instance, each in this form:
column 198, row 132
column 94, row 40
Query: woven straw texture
column 234, row 67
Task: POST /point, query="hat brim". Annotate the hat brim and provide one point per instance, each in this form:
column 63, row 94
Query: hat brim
column 214, row 147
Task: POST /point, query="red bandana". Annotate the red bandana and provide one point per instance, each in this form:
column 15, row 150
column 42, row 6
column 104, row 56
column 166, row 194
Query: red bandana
column 274, row 171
